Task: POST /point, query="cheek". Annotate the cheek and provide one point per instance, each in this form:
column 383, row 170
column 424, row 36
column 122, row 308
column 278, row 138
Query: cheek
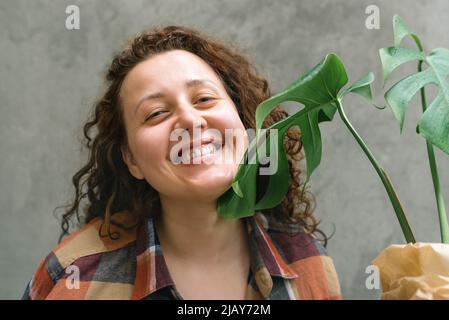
column 231, row 120
column 151, row 151
column 227, row 117
column 150, row 147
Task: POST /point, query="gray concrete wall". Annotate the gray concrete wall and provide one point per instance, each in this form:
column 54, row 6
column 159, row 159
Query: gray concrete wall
column 50, row 77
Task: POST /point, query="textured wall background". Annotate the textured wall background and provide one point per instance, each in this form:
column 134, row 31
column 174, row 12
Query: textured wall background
column 50, row 77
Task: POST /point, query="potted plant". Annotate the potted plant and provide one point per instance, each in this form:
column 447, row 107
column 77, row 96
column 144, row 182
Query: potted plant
column 413, row 270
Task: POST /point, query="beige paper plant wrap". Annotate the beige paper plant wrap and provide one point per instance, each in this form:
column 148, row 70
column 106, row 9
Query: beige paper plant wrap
column 414, row 271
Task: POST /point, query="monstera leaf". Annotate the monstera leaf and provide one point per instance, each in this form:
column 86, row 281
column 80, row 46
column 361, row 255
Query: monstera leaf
column 318, row 91
column 434, row 123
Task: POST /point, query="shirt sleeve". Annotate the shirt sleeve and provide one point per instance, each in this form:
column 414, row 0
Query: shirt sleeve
column 40, row 285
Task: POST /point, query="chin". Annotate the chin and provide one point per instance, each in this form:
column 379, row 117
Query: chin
column 211, row 186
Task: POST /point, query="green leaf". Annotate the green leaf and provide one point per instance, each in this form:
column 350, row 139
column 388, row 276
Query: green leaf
column 231, row 205
column 434, row 123
column 316, row 91
column 401, row 31
column 393, row 57
column 400, row 94
column 361, row 87
column 327, row 112
column 319, row 86
column 237, row 189
column 311, row 139
column 278, row 183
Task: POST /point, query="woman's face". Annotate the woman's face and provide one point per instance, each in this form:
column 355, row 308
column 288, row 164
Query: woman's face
column 176, row 109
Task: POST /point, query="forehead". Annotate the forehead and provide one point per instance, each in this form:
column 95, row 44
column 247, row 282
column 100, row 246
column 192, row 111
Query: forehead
column 167, row 70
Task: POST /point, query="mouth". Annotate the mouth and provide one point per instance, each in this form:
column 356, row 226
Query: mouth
column 204, row 149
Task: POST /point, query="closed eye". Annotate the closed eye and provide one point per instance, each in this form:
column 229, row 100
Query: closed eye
column 154, row 114
column 204, row 99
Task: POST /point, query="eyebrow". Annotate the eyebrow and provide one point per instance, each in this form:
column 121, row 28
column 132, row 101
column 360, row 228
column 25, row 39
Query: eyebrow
column 189, row 84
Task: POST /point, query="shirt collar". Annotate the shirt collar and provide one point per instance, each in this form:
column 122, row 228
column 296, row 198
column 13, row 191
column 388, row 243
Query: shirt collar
column 265, row 253
column 152, row 272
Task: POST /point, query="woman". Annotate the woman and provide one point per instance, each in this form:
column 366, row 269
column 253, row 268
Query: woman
column 151, row 228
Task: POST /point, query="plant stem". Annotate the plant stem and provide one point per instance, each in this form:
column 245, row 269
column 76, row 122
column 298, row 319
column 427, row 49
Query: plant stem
column 400, row 214
column 442, row 217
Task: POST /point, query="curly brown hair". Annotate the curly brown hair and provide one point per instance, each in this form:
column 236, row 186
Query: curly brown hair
column 106, row 180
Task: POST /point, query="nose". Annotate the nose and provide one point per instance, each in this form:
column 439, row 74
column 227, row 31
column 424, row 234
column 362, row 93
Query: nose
column 188, row 118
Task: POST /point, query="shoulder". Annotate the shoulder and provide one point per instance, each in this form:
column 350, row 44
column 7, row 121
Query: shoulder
column 292, row 240
column 307, row 257
column 83, row 248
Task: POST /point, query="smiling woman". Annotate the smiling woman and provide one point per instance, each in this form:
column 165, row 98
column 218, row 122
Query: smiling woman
column 151, row 228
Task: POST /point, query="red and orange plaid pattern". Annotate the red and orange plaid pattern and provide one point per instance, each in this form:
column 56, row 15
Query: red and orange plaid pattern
column 283, row 266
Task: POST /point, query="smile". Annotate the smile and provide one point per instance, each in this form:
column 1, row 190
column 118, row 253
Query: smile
column 202, row 151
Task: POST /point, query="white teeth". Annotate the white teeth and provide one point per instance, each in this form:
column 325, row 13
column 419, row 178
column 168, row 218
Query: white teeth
column 207, row 149
column 185, row 158
column 197, row 152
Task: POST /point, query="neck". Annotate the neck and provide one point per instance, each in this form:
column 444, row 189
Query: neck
column 192, row 230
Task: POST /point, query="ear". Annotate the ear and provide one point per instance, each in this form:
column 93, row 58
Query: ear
column 131, row 163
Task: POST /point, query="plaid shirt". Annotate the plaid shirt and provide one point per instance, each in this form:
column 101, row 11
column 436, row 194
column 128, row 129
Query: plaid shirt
column 133, row 267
